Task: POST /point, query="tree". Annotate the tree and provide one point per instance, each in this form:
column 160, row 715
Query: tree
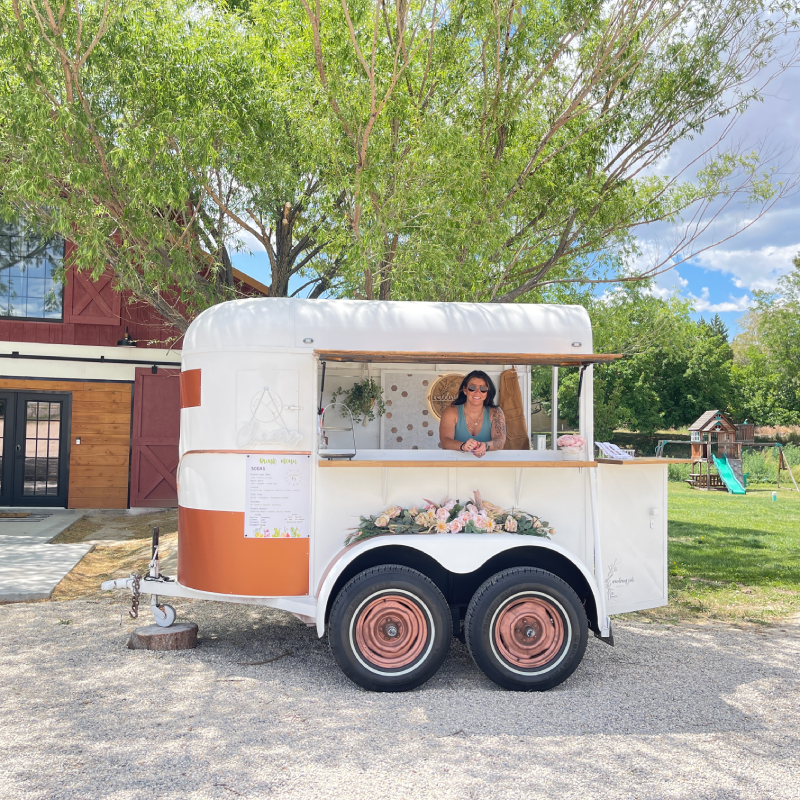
column 766, row 370
column 674, row 368
column 491, row 151
column 133, row 129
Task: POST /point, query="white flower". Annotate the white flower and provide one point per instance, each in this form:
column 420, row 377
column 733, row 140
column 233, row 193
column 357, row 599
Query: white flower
column 511, row 524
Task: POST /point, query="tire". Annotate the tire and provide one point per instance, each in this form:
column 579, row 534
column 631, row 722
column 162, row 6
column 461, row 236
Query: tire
column 526, row 629
column 390, row 629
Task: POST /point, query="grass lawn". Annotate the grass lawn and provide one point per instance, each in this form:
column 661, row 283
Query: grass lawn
column 732, row 557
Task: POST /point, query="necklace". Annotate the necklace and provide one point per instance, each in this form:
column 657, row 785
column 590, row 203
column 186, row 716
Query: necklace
column 473, row 426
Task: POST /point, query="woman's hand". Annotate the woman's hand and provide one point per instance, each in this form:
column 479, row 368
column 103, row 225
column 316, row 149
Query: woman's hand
column 470, row 445
column 480, row 450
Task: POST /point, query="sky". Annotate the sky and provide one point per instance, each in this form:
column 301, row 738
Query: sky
column 722, row 279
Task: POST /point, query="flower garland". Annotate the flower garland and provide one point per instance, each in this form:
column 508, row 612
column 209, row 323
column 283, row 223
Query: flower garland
column 476, row 516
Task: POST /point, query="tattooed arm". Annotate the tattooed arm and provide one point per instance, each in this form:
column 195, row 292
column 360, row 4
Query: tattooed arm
column 498, row 434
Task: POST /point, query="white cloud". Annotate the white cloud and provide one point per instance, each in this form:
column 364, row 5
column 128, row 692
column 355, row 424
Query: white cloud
column 248, row 243
column 751, row 269
column 703, row 303
column 667, row 284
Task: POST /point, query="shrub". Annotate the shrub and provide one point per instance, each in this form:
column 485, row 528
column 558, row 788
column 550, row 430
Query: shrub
column 678, row 472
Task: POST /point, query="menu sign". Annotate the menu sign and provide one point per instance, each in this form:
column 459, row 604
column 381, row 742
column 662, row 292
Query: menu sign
column 278, row 496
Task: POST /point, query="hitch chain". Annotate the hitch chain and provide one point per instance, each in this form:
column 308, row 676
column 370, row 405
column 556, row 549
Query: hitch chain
column 134, row 612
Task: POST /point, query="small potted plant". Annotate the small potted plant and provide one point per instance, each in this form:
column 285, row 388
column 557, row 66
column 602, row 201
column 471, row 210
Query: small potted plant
column 571, row 445
column 364, row 399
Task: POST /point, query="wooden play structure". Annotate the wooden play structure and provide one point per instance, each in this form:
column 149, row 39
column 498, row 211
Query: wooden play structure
column 715, row 430
column 722, row 470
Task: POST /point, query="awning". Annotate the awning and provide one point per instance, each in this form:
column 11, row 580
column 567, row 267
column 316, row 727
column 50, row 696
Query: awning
column 394, row 357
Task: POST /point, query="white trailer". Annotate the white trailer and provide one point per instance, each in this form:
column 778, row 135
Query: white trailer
column 270, row 485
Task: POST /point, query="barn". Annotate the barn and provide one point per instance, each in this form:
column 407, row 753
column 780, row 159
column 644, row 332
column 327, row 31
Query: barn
column 89, row 385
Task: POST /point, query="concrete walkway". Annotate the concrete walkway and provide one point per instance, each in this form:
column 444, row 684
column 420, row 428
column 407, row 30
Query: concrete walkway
column 31, row 567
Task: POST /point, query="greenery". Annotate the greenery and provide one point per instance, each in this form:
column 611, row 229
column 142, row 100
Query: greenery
column 732, row 557
column 766, row 370
column 421, row 150
column 676, row 368
column 363, row 399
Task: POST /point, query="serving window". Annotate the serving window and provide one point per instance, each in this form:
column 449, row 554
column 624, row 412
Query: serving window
column 414, row 396
column 415, row 388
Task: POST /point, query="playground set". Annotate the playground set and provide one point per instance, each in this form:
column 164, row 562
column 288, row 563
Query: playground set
column 722, row 471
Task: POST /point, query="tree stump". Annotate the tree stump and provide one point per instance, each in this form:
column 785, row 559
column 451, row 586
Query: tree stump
column 180, row 636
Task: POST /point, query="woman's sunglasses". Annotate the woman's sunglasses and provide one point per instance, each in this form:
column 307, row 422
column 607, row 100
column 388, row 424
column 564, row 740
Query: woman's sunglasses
column 481, row 389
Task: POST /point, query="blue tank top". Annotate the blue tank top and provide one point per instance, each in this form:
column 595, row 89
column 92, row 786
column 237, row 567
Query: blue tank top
column 462, row 432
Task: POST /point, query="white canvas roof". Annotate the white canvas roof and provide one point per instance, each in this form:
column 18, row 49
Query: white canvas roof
column 391, row 326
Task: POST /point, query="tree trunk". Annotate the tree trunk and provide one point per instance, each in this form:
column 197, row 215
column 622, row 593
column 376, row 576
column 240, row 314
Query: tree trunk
column 180, row 636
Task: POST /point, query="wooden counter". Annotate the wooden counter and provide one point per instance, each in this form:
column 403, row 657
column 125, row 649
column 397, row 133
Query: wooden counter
column 648, row 460
column 420, row 464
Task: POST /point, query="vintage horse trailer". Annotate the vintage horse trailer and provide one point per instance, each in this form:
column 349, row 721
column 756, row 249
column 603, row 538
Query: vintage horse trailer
column 270, row 485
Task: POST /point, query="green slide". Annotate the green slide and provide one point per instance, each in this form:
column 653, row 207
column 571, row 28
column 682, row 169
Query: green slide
column 726, row 473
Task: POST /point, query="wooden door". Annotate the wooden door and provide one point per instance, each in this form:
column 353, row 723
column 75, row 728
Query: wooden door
column 154, row 440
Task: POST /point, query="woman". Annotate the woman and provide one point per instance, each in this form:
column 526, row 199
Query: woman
column 473, row 423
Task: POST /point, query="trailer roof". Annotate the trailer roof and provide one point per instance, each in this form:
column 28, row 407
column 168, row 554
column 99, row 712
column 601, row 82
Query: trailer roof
column 512, row 333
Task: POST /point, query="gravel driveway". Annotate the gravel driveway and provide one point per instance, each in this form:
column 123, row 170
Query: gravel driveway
column 671, row 712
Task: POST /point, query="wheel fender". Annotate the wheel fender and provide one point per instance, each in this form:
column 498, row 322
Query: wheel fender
column 459, row 553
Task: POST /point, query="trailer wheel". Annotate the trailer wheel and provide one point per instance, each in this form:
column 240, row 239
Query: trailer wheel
column 390, row 629
column 526, row 629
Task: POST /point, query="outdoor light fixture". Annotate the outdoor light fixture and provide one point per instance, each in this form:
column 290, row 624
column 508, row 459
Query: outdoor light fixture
column 126, row 340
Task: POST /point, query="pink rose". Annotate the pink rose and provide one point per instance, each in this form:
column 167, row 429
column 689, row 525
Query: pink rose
column 442, row 514
column 455, row 526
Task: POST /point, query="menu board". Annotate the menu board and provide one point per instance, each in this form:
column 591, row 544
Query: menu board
column 278, row 496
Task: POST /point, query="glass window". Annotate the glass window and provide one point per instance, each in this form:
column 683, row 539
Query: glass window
column 29, row 267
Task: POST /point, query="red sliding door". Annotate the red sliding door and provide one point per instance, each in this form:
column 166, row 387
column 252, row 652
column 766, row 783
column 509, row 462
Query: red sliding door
column 154, row 441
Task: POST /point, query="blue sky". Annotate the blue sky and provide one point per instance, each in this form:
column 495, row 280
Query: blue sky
column 722, row 279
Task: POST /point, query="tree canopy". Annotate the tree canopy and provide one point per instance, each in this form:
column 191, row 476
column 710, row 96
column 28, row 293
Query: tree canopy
column 425, row 149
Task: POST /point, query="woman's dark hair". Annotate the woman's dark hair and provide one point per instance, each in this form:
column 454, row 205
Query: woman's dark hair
column 462, row 396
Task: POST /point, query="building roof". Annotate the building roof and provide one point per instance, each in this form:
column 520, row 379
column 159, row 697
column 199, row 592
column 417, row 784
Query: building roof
column 392, row 326
column 713, row 421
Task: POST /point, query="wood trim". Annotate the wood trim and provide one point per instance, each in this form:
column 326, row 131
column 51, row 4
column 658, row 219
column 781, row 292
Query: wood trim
column 551, row 359
column 343, row 464
column 190, row 388
column 251, row 282
column 628, row 461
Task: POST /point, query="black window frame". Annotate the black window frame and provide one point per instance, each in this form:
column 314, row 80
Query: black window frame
column 47, row 244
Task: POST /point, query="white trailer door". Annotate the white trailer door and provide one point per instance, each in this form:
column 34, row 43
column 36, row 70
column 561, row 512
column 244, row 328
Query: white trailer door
column 632, row 502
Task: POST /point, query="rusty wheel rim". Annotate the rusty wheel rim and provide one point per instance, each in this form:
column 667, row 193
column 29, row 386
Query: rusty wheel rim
column 391, row 631
column 529, row 631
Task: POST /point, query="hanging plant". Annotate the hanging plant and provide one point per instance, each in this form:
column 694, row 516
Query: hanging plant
column 364, row 399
